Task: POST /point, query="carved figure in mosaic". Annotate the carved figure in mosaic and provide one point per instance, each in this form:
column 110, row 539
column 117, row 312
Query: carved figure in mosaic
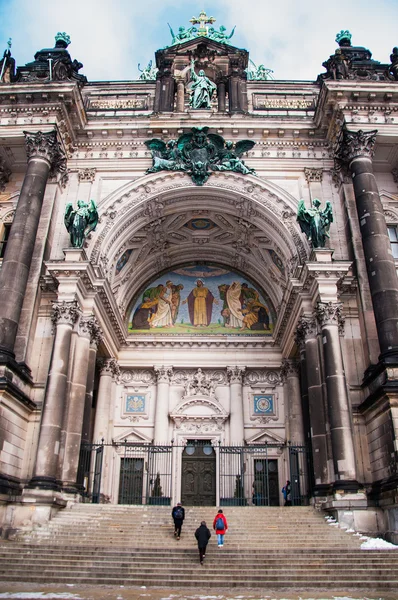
column 233, row 296
column 202, row 89
column 80, row 221
column 175, row 300
column 200, row 305
column 314, row 222
column 149, row 73
column 162, row 317
column 166, row 157
column 255, row 315
column 220, row 36
column 258, row 73
column 143, row 313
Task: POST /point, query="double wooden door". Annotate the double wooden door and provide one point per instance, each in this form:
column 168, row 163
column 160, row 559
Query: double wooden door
column 198, row 485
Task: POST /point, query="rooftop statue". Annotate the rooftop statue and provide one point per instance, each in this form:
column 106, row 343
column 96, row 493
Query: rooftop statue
column 220, row 36
column 202, row 89
column 199, row 153
column 80, row 221
column 7, row 65
column 393, row 68
column 149, row 73
column 314, row 222
column 185, row 35
column 258, row 73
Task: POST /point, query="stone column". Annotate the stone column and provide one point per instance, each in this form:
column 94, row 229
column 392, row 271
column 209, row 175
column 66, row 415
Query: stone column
column 330, row 318
column 356, row 150
column 95, row 339
column 44, row 153
column 308, row 329
column 161, row 431
column 88, row 327
column 221, row 93
column 109, row 369
column 180, row 95
column 46, row 468
column 290, row 369
column 236, row 419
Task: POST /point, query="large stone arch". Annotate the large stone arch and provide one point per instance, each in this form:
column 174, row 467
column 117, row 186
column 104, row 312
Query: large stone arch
column 256, row 222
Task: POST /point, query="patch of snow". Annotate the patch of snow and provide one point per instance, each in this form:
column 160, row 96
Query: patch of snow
column 377, row 544
column 41, row 595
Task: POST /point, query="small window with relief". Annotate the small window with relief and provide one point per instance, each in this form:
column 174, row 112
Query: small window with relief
column 4, row 234
column 393, row 235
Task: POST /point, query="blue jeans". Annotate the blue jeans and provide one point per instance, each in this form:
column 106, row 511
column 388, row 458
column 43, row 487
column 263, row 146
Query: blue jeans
column 220, row 539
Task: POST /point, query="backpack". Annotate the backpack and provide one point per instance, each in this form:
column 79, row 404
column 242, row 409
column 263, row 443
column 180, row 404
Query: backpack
column 220, row 523
column 178, row 514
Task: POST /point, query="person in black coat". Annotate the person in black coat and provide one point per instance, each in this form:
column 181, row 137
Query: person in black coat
column 178, row 514
column 203, row 535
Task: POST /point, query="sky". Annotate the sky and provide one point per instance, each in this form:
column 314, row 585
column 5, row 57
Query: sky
column 111, row 37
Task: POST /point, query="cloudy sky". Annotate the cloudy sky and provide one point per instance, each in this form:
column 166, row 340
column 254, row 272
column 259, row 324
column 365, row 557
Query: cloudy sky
column 110, row 37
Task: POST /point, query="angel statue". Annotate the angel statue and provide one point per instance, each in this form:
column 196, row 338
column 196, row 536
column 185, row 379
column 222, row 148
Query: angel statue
column 202, row 89
column 229, row 157
column 220, row 36
column 80, row 221
column 149, row 73
column 166, row 157
column 314, row 222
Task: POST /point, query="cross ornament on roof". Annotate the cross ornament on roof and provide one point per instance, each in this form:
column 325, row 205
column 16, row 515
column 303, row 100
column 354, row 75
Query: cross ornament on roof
column 202, row 20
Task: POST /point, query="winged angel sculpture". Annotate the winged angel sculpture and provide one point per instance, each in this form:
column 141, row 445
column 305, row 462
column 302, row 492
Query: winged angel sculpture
column 199, row 153
column 314, row 222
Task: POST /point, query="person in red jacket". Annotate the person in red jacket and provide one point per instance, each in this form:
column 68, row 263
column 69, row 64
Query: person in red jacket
column 220, row 526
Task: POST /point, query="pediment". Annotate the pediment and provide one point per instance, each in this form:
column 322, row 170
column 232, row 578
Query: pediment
column 265, row 436
column 193, row 406
column 133, row 436
column 201, row 44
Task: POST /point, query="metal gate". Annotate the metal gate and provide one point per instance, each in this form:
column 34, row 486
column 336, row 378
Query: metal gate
column 247, row 475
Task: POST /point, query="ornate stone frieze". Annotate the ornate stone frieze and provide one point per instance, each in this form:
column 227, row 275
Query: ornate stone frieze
column 65, row 313
column 235, row 374
column 199, row 384
column 268, row 377
column 208, row 415
column 4, row 175
column 330, row 313
column 163, row 374
column 313, row 174
column 137, row 376
column 46, row 146
column 86, row 175
column 355, row 144
column 109, row 366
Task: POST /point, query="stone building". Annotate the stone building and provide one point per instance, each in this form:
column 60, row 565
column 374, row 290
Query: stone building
column 182, row 338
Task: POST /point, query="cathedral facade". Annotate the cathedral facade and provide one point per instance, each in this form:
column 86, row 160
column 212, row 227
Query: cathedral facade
column 198, row 288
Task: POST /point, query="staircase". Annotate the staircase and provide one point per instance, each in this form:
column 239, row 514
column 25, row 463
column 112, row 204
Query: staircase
column 270, row 547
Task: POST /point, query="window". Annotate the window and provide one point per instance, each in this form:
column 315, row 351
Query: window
column 393, row 235
column 4, row 237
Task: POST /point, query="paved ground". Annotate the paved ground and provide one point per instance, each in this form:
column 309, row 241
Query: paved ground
column 21, row 591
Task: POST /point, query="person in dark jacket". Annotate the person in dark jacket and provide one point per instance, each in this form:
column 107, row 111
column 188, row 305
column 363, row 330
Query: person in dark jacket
column 220, row 526
column 203, row 535
column 287, row 493
column 178, row 514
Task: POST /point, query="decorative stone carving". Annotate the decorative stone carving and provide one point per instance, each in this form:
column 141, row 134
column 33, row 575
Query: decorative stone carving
column 353, row 144
column 269, row 377
column 290, row 368
column 199, row 384
column 394, row 173
column 139, row 376
column 163, row 374
column 313, row 174
column 66, row 313
column 46, row 146
column 330, row 313
column 306, row 329
column 235, row 374
column 4, row 175
column 209, row 417
column 95, row 331
column 86, row 175
column 109, row 366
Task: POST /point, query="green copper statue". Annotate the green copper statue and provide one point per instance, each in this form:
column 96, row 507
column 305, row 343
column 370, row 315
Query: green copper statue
column 80, row 221
column 258, row 73
column 202, row 89
column 314, row 222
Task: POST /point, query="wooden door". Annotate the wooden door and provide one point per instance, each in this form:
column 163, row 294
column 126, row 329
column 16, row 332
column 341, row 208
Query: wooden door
column 198, row 485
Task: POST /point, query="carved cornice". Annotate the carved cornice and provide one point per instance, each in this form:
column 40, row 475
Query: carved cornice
column 235, row 374
column 46, row 146
column 355, row 144
column 109, row 366
column 330, row 313
column 163, row 373
column 4, row 175
column 86, row 175
column 65, row 313
column 313, row 174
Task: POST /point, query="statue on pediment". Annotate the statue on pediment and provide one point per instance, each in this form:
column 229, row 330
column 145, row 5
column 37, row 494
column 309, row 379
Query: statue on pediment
column 202, row 89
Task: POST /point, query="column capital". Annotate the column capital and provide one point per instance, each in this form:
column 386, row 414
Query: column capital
column 313, row 174
column 163, row 373
column 45, row 146
column 355, row 144
column 306, row 329
column 330, row 313
column 109, row 366
column 235, row 374
column 4, row 175
column 89, row 327
column 290, row 368
column 65, row 313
